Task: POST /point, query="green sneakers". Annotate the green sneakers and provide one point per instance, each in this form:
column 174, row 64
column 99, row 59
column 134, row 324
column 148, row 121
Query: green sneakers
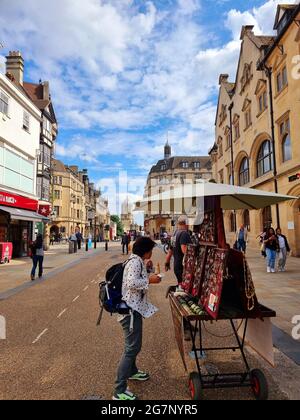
column 125, row 396
column 140, row 376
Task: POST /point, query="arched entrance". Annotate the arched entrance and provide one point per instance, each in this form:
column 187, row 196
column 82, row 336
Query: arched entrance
column 54, row 230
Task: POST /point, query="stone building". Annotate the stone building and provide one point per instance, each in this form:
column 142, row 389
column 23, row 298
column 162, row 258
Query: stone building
column 257, row 126
column 168, row 174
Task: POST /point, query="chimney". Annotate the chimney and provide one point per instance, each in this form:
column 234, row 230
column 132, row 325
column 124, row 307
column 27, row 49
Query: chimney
column 223, row 78
column 74, row 169
column 246, row 29
column 15, row 66
column 46, row 91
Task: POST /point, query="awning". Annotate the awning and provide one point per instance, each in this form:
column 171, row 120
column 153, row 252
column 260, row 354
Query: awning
column 19, row 214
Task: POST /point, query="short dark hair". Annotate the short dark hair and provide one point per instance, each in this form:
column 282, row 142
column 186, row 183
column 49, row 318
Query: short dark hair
column 142, row 246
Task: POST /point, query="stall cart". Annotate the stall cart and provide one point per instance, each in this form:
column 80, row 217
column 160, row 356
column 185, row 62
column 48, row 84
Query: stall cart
column 217, row 282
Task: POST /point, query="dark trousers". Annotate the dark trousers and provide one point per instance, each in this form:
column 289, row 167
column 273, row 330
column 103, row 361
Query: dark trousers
column 79, row 244
column 37, row 260
column 133, row 346
column 241, row 245
column 125, row 246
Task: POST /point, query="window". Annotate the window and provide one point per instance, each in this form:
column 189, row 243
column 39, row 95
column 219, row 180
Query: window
column 56, row 211
column 47, row 125
column 246, row 219
column 244, row 177
column 78, row 214
column 163, row 167
column 232, row 222
column 26, row 121
column 185, row 165
column 237, row 133
column 43, row 188
column 285, row 137
column 248, row 120
column 263, row 102
column 4, row 103
column 197, row 165
column 265, row 158
column 16, row 172
column 230, row 174
column 228, row 138
column 57, row 195
column 220, row 147
column 221, row 177
column 267, row 217
column 281, row 80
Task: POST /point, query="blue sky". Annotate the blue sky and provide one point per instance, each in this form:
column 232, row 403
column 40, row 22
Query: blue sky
column 123, row 73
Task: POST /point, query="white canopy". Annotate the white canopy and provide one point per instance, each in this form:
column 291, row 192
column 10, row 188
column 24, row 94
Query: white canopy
column 232, row 197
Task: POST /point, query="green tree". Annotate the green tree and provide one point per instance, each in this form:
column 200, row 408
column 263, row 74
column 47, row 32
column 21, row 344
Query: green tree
column 120, row 229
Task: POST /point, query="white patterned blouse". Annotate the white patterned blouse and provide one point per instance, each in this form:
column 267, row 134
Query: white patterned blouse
column 135, row 287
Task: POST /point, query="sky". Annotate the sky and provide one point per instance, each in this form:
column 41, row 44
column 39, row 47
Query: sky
column 124, row 73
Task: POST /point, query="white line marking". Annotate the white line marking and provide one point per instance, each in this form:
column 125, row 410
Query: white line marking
column 37, row 339
column 77, row 297
column 62, row 312
column 85, row 289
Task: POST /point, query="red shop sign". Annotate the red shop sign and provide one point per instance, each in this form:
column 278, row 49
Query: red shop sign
column 13, row 200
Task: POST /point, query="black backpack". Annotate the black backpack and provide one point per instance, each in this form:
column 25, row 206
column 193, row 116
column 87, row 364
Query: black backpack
column 110, row 292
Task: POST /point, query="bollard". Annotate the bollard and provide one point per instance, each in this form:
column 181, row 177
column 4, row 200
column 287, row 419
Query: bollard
column 87, row 245
column 95, row 244
column 106, row 245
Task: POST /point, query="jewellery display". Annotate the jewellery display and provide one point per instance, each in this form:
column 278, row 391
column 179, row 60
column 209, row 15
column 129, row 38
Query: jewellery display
column 199, row 270
column 207, row 229
column 249, row 286
column 189, row 268
column 213, row 282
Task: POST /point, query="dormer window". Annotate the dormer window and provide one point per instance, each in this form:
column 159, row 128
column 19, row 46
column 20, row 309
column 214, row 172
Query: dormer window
column 163, row 167
column 247, row 76
column 197, row 165
column 185, row 165
column 247, row 113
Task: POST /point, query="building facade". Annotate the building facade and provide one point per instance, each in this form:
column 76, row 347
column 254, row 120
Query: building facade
column 257, row 126
column 76, row 203
column 168, row 174
column 19, row 145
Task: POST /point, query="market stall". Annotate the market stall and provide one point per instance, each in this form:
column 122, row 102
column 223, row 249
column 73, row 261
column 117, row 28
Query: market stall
column 218, row 286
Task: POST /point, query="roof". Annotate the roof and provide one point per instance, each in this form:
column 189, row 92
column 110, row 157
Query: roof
column 58, row 166
column 282, row 8
column 36, row 93
column 175, row 163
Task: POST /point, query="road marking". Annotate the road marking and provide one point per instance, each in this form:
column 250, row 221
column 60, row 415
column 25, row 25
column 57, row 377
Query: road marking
column 62, row 312
column 85, row 289
column 37, row 339
column 77, row 297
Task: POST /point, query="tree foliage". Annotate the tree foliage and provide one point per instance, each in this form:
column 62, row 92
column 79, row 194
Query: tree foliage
column 120, row 229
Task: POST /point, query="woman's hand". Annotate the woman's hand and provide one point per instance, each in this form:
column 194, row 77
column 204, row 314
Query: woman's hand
column 154, row 279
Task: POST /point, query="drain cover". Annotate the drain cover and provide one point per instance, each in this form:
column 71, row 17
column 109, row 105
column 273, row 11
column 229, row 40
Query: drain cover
column 92, row 398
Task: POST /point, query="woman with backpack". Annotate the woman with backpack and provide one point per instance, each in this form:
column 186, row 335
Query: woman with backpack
column 134, row 290
column 37, row 251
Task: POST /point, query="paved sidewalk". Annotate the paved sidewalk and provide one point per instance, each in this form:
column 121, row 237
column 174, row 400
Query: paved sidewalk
column 278, row 291
column 17, row 272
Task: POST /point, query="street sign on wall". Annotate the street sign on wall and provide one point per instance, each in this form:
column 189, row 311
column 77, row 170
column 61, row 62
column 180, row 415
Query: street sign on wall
column 294, row 177
column 18, row 201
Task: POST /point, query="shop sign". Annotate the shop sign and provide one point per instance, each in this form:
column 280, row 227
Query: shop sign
column 45, row 209
column 13, row 200
column 294, row 177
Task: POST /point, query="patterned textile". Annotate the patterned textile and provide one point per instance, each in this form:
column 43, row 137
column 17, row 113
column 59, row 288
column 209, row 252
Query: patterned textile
column 213, row 282
column 207, row 230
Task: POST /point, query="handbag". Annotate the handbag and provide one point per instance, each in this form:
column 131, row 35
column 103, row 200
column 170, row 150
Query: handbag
column 263, row 247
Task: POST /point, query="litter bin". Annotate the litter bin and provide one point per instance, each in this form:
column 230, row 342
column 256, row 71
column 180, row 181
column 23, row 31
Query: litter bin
column 72, row 247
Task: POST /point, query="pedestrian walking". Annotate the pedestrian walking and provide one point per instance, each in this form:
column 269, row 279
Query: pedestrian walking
column 178, row 248
column 125, row 242
column 242, row 239
column 37, row 254
column 135, row 286
column 272, row 247
column 79, row 237
column 284, row 249
column 261, row 237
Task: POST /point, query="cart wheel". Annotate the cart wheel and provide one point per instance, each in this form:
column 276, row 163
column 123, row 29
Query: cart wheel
column 195, row 387
column 259, row 385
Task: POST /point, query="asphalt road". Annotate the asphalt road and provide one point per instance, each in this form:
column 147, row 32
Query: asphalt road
column 55, row 351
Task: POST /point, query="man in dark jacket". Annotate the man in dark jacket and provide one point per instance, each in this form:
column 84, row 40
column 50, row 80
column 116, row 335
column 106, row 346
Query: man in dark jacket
column 284, row 249
column 78, row 237
column 125, row 243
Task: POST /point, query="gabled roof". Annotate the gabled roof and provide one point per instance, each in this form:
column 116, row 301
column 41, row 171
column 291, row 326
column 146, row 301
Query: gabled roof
column 58, row 166
column 176, row 162
column 36, row 94
column 281, row 10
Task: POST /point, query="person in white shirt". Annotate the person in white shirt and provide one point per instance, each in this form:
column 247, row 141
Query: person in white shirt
column 134, row 293
column 284, row 248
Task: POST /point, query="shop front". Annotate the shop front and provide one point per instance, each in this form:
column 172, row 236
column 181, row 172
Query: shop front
column 18, row 219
